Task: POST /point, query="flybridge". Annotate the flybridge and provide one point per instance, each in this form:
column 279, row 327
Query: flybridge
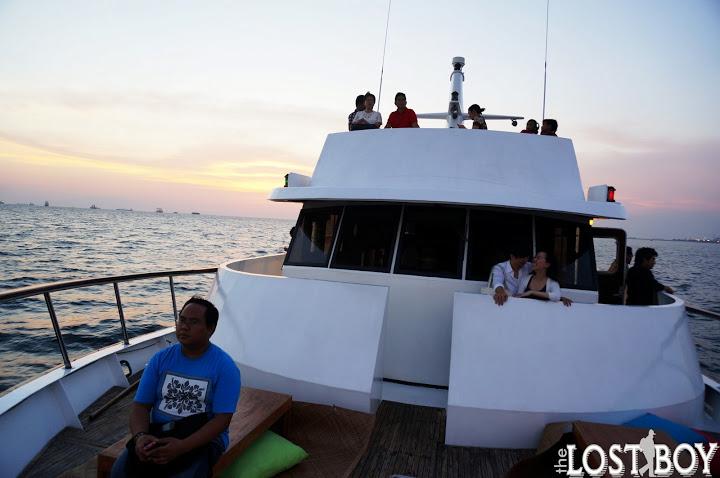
column 451, row 166
column 455, row 114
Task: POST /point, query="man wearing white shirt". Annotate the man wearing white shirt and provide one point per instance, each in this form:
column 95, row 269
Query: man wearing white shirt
column 506, row 277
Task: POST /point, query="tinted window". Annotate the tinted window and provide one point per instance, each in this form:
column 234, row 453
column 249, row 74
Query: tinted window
column 571, row 245
column 314, row 235
column 367, row 238
column 492, row 237
column 432, row 242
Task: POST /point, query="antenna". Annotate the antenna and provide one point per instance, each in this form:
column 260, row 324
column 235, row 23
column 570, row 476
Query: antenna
column 547, row 17
column 382, row 67
column 454, row 114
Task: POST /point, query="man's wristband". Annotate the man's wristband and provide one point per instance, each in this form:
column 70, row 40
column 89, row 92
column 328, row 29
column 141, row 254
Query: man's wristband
column 138, row 435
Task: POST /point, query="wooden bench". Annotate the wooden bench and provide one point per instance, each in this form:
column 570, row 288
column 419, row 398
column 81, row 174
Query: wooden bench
column 256, row 412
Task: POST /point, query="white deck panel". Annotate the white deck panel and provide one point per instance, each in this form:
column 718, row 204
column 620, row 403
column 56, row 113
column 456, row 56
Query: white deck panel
column 320, row 341
column 451, row 166
column 517, row 367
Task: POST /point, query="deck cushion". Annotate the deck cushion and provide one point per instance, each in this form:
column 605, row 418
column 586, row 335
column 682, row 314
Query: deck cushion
column 267, row 456
column 679, row 433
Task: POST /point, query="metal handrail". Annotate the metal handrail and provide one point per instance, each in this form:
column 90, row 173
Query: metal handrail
column 47, row 289
column 699, row 311
column 31, row 290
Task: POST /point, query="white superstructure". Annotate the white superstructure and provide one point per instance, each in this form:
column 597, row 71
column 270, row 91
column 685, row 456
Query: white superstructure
column 450, row 166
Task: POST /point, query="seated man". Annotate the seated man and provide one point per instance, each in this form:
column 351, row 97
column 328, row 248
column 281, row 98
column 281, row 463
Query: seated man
column 642, row 287
column 506, row 277
column 404, row 117
column 183, row 406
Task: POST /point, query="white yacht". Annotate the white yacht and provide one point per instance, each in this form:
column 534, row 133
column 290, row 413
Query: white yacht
column 380, row 297
column 379, row 294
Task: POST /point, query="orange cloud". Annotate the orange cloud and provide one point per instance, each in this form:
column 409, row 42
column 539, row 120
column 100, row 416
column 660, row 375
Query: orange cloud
column 230, row 175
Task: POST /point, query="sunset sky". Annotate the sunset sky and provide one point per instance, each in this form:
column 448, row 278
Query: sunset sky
column 204, row 106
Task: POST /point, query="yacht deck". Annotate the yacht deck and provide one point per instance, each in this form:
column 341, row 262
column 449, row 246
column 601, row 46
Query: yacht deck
column 403, row 439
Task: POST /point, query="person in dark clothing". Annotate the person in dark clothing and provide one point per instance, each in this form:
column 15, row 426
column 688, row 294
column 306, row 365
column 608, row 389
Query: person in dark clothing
column 642, row 287
column 359, row 106
column 531, row 127
column 549, row 127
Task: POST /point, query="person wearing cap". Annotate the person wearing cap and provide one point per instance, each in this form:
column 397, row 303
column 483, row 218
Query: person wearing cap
column 475, row 114
column 404, row 117
column 549, row 127
column 531, row 127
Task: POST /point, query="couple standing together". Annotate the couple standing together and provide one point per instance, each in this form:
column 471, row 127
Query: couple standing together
column 517, row 277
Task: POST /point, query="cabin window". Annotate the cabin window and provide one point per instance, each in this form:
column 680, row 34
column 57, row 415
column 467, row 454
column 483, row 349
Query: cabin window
column 314, row 236
column 367, row 238
column 492, row 236
column 572, row 246
column 606, row 252
column 432, row 242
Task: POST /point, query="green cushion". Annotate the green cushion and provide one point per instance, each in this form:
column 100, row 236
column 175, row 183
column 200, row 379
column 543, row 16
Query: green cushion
column 267, row 456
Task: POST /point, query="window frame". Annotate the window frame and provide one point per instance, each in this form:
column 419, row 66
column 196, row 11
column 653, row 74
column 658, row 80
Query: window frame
column 465, row 253
column 396, row 269
column 498, row 211
column 392, row 249
column 585, row 238
column 301, row 216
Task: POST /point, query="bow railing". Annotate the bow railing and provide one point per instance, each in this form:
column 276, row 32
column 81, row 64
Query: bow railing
column 46, row 289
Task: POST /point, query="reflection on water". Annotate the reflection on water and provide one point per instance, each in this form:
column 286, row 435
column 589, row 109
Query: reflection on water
column 46, row 244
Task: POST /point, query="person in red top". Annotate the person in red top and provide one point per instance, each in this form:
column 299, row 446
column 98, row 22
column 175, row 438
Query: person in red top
column 404, row 117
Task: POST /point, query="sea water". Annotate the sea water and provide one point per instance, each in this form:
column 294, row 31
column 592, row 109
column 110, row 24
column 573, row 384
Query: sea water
column 45, row 244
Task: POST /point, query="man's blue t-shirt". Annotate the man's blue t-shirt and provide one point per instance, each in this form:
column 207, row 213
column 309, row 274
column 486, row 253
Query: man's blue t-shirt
column 179, row 386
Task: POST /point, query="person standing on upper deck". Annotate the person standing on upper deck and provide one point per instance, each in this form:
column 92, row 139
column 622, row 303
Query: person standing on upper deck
column 531, row 127
column 505, row 277
column 549, row 127
column 367, row 118
column 475, row 114
column 642, row 287
column 359, row 106
column 404, row 117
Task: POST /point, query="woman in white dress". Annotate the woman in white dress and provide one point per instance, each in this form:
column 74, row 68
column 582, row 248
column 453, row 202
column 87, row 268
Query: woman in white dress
column 367, row 118
column 539, row 285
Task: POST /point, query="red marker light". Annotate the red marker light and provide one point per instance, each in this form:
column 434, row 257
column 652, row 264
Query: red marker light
column 611, row 194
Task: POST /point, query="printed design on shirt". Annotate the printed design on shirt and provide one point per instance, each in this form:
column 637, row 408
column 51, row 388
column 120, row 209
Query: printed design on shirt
column 183, row 396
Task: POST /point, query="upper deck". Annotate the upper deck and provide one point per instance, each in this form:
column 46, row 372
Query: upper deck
column 452, row 166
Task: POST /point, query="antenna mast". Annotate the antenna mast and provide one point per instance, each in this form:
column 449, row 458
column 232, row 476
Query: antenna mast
column 547, row 17
column 382, row 67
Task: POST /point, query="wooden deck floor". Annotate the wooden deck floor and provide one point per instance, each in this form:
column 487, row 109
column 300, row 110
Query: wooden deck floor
column 410, row 440
column 406, row 440
column 73, row 447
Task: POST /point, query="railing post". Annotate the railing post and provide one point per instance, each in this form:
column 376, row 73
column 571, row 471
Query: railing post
column 126, row 339
column 56, row 327
column 172, row 293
